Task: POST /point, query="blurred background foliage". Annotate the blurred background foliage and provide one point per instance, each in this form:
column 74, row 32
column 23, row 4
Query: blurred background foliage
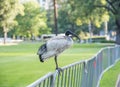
column 30, row 20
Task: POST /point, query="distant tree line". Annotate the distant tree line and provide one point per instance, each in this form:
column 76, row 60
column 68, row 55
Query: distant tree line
column 30, row 20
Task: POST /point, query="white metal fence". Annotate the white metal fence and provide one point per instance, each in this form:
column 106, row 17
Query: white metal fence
column 86, row 73
column 118, row 82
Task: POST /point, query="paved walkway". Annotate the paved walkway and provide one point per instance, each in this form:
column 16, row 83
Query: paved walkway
column 7, row 44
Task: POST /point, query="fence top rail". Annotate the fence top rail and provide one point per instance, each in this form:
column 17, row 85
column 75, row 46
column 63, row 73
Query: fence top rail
column 70, row 65
column 101, row 51
column 40, row 80
column 81, row 61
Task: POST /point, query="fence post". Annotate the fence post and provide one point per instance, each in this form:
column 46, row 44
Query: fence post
column 108, row 56
column 118, row 82
column 117, row 51
column 53, row 78
column 84, row 74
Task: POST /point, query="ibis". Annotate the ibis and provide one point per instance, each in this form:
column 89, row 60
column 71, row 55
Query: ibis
column 55, row 46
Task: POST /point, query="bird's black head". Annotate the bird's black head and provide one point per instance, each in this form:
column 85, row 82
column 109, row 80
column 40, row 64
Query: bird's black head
column 68, row 32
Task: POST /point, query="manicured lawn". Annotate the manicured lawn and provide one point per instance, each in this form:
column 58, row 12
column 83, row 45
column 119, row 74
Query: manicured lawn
column 20, row 66
column 110, row 77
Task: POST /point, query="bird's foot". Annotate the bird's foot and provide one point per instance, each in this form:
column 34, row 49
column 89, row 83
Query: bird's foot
column 59, row 70
column 86, row 71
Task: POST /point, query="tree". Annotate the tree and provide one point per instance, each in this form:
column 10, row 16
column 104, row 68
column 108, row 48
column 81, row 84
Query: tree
column 87, row 7
column 113, row 6
column 33, row 23
column 8, row 11
column 74, row 13
column 63, row 20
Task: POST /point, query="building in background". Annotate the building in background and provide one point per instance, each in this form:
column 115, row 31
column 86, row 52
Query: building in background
column 43, row 3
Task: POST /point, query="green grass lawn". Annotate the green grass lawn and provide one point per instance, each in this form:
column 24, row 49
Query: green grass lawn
column 110, row 77
column 20, row 66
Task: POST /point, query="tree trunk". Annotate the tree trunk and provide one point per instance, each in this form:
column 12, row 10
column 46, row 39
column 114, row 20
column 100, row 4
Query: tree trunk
column 5, row 35
column 90, row 31
column 118, row 31
column 106, row 28
column 55, row 17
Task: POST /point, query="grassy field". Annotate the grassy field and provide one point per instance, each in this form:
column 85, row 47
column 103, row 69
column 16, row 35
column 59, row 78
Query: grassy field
column 20, row 66
column 110, row 77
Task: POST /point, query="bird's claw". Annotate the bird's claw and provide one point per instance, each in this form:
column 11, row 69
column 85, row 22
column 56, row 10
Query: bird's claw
column 59, row 70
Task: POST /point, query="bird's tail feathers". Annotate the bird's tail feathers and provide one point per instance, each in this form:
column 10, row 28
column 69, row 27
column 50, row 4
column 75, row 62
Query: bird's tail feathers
column 41, row 51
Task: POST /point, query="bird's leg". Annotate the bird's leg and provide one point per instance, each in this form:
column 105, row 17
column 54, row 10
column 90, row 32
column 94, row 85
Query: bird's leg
column 56, row 62
column 57, row 68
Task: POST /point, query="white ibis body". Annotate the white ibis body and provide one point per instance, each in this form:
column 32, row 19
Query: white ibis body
column 55, row 46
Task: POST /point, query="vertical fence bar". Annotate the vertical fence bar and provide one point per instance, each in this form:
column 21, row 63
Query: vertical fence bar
column 80, row 75
column 69, row 73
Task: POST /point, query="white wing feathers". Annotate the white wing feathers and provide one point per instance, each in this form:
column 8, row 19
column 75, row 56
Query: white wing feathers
column 56, row 45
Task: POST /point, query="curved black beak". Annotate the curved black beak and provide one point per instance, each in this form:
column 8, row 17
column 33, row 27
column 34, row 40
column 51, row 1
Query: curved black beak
column 73, row 34
column 76, row 36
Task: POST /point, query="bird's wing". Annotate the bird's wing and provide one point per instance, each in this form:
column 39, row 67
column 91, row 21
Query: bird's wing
column 57, row 43
column 55, row 46
column 42, row 49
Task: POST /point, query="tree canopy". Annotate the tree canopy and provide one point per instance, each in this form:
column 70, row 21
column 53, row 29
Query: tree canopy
column 96, row 12
column 33, row 23
column 9, row 9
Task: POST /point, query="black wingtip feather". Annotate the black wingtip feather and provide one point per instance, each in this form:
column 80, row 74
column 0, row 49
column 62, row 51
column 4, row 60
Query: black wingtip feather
column 41, row 60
